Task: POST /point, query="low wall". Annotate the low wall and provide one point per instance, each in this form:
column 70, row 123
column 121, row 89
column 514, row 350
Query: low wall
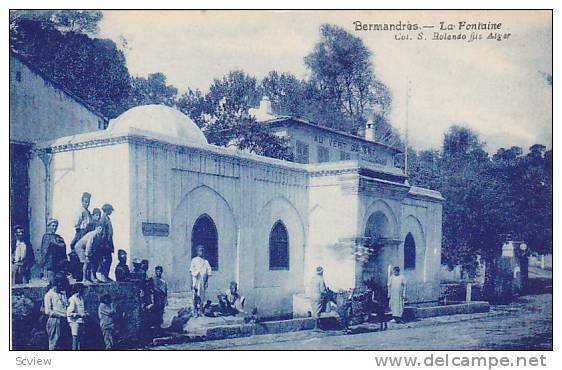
column 29, row 320
column 422, row 292
column 416, row 313
column 457, row 292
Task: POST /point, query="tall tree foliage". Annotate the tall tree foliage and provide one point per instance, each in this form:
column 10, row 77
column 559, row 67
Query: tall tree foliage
column 222, row 113
column 152, row 90
column 286, row 93
column 342, row 79
column 92, row 69
column 487, row 200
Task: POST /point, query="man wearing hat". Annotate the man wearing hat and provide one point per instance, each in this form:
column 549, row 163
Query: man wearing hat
column 137, row 273
column 53, row 251
column 83, row 222
column 106, row 245
column 317, row 294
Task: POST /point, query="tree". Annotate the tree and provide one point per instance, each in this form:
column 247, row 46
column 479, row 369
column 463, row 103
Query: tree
column 487, row 200
column 152, row 90
column 92, row 69
column 536, row 195
column 222, row 114
column 424, row 168
column 285, row 92
column 467, row 187
column 385, row 132
column 193, row 104
column 254, row 137
column 342, row 78
column 80, row 21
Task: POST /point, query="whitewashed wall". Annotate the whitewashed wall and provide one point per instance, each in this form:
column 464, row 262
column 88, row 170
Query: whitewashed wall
column 333, row 216
column 40, row 111
column 100, row 170
column 176, row 185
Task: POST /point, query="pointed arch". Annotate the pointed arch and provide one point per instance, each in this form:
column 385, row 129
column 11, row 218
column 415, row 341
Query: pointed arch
column 204, row 232
column 279, row 247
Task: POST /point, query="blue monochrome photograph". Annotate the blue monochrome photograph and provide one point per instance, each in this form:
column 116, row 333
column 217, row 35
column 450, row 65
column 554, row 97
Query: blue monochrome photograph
column 280, row 180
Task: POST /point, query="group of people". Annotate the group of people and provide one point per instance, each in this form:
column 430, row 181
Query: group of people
column 321, row 296
column 66, row 310
column 90, row 254
column 92, row 247
column 230, row 301
column 90, row 260
column 67, row 315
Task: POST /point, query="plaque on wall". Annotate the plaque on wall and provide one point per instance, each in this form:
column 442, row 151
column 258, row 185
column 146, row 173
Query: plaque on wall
column 155, row 229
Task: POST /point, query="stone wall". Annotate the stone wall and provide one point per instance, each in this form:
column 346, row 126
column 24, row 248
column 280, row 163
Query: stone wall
column 28, row 318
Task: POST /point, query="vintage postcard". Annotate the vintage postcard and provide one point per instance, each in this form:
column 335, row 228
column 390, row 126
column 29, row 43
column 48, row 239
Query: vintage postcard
column 281, row 180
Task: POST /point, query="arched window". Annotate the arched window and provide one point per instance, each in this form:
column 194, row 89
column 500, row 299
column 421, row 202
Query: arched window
column 205, row 233
column 409, row 252
column 279, row 247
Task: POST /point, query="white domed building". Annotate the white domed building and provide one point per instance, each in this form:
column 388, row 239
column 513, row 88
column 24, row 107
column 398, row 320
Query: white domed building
column 265, row 223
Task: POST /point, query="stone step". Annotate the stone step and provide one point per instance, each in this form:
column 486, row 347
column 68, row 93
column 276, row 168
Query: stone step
column 176, row 301
column 205, row 328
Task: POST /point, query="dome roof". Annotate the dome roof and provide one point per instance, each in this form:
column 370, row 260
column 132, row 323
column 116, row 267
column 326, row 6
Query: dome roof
column 159, row 119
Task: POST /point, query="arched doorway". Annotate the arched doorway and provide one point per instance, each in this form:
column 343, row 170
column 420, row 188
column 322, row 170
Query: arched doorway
column 204, row 233
column 374, row 270
column 377, row 226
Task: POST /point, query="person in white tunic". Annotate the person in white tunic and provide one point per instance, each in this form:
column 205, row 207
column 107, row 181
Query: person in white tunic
column 200, row 270
column 75, row 314
column 396, row 294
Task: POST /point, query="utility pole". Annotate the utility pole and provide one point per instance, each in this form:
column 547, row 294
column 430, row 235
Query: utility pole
column 406, row 145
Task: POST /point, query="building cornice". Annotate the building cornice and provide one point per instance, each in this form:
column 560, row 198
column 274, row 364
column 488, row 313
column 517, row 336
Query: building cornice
column 136, row 137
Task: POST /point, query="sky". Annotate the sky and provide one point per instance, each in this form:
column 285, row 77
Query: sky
column 495, row 87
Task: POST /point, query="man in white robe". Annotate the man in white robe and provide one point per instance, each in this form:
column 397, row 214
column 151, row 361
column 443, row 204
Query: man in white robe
column 200, row 270
column 396, row 294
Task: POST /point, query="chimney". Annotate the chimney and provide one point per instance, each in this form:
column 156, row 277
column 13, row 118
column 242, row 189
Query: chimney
column 265, row 105
column 370, row 130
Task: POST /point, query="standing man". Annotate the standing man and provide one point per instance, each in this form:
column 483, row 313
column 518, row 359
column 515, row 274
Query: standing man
column 24, row 257
column 56, row 305
column 122, row 272
column 160, row 296
column 106, row 246
column 83, row 220
column 200, row 270
column 76, row 314
column 397, row 294
column 318, row 295
column 53, row 251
